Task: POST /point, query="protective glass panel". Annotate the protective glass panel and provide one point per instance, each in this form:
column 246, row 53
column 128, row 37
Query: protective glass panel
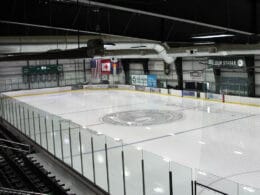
column 133, row 170
column 88, row 169
column 156, row 170
column 100, row 160
column 181, row 179
column 115, row 165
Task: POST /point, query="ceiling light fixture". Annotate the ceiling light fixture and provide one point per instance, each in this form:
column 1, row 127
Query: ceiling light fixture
column 212, row 36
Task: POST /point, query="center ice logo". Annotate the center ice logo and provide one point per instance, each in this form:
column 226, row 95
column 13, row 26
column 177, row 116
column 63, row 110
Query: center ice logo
column 142, row 117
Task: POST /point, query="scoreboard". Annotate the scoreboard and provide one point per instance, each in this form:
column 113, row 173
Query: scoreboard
column 42, row 69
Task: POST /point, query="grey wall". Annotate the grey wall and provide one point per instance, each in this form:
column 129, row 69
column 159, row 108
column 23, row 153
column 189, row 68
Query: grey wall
column 11, row 72
column 189, row 65
column 155, row 67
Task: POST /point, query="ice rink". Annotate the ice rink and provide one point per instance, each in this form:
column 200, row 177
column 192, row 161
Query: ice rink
column 221, row 139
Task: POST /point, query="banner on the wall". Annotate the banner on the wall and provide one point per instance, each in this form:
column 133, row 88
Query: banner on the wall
column 140, row 80
column 144, row 80
column 227, row 62
column 152, row 80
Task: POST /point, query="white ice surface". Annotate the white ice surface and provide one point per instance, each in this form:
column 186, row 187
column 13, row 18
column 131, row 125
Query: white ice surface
column 222, row 139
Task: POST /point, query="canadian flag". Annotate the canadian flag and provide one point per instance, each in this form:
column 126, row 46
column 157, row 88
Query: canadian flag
column 106, row 66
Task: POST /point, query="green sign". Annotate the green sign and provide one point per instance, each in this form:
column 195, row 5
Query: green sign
column 43, row 69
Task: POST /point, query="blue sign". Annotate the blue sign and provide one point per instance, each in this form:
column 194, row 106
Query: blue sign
column 152, row 80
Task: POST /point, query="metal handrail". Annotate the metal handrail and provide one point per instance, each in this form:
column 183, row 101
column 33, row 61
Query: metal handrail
column 16, row 149
column 18, row 143
column 13, row 191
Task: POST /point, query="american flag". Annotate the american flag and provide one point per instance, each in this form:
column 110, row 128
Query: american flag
column 95, row 65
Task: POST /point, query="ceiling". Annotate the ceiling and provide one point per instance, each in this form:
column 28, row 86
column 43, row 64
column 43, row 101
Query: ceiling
column 173, row 22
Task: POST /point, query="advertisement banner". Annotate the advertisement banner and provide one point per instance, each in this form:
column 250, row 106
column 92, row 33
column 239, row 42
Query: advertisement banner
column 144, row 80
column 152, row 80
column 227, row 62
column 140, row 80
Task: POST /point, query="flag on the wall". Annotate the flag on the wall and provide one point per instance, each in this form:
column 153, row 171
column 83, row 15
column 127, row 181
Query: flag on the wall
column 116, row 67
column 106, row 66
column 95, row 65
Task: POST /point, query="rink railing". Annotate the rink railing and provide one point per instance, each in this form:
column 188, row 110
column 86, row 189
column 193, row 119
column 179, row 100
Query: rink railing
column 116, row 167
column 109, row 163
column 20, row 84
column 223, row 97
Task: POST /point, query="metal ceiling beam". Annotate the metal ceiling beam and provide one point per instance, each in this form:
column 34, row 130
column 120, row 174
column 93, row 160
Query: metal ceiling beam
column 65, row 39
column 172, row 18
column 72, row 30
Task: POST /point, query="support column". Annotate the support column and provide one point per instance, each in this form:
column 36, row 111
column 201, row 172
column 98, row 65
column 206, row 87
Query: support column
column 29, row 76
column 145, row 67
column 126, row 68
column 250, row 63
column 179, row 71
column 84, row 70
column 217, row 75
